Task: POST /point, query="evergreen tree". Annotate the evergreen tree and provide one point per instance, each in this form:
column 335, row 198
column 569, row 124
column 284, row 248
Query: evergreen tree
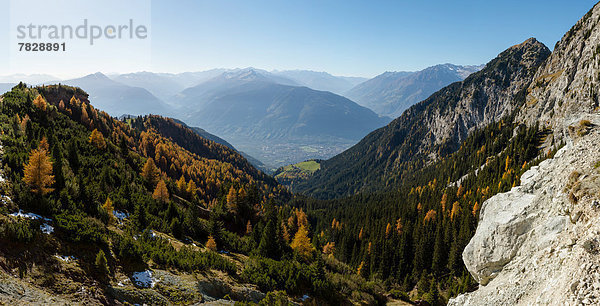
column 102, row 264
column 108, row 207
column 270, row 244
column 57, row 167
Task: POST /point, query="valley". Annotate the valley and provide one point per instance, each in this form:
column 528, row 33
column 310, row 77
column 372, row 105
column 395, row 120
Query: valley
column 278, row 117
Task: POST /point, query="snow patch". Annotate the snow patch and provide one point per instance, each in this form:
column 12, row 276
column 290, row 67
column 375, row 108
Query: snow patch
column 47, row 228
column 144, row 279
column 32, row 216
column 5, row 199
column 120, row 215
column 65, row 258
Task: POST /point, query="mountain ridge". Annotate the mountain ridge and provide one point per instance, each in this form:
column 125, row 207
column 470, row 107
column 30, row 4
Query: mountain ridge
column 390, row 93
column 117, row 98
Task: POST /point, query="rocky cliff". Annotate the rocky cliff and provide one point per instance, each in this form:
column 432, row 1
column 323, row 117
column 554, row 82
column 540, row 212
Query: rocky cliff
column 538, row 243
column 566, row 85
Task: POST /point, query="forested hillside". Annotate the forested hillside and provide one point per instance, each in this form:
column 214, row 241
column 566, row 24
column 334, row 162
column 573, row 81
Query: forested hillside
column 92, row 202
column 412, row 235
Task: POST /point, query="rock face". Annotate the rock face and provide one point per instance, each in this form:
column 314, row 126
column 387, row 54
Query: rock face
column 538, row 244
column 567, row 84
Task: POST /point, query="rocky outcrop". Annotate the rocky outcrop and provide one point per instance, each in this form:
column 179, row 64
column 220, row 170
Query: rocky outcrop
column 538, row 244
column 567, row 84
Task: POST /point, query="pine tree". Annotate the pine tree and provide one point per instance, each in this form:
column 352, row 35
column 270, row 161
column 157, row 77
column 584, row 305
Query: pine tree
column 399, row 226
column 455, row 210
column 57, row 167
column 431, row 214
column 85, row 119
column 108, row 207
column 285, row 233
column 301, row 243
column 475, row 209
column 102, row 263
column 150, row 173
column 44, row 144
column 38, row 172
column 161, row 193
column 361, row 271
column 439, row 252
column 97, row 140
column 73, row 155
column 388, row 230
column 329, row 248
column 270, row 245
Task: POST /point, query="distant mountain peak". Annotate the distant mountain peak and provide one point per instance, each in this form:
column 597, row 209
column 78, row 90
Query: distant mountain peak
column 97, row 76
column 246, row 74
column 392, row 92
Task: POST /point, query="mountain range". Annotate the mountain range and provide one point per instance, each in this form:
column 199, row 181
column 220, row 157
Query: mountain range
column 390, row 93
column 165, row 85
column 286, row 116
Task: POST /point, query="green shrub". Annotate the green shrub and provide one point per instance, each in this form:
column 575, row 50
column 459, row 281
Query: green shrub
column 19, row 231
column 275, row 298
column 288, row 275
column 79, row 228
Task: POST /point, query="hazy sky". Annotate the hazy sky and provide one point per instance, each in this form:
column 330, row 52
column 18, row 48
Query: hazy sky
column 359, row 38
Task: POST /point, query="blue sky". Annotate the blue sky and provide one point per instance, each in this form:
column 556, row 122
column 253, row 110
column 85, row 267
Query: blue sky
column 359, row 38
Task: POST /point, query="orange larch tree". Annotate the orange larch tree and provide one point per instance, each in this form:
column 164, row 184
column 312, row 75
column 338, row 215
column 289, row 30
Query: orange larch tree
column 301, row 243
column 38, row 172
column 211, row 244
column 40, row 103
column 150, row 172
column 97, row 139
column 161, row 193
